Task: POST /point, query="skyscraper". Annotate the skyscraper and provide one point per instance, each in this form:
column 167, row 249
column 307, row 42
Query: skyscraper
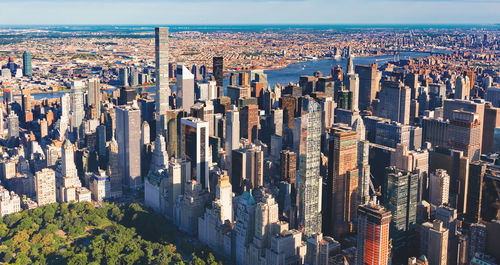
column 368, row 84
column 400, row 197
column 114, row 172
column 194, row 146
column 351, row 81
column 307, row 142
column 342, row 182
column 465, row 133
column 373, row 234
column 161, row 71
column 434, row 242
column 439, row 187
column 395, row 102
column 185, row 88
column 218, row 70
column 27, row 70
column 128, row 137
column 77, row 109
column 12, row 125
column 94, row 95
column 232, row 133
column 249, row 123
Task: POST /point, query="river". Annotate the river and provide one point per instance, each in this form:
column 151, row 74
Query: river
column 292, row 72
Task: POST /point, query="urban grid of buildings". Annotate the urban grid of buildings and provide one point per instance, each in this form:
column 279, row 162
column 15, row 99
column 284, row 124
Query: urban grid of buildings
column 368, row 164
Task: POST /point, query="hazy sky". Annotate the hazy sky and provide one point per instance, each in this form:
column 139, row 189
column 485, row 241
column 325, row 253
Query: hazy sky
column 249, row 12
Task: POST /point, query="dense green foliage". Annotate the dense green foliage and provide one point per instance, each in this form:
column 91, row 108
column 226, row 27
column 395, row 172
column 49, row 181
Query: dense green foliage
column 79, row 233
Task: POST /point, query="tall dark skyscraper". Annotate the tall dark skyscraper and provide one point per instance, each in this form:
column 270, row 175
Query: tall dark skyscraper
column 368, row 84
column 27, row 70
column 218, row 70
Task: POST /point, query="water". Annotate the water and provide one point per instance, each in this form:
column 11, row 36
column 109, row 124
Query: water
column 293, row 71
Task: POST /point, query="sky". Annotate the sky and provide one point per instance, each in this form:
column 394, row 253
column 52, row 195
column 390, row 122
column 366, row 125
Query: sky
column 115, row 12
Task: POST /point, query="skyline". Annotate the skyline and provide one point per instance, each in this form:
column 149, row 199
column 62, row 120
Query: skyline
column 223, row 12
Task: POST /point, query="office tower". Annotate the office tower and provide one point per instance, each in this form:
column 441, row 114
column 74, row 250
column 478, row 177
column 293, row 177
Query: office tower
column 194, row 146
column 218, row 70
column 113, row 170
column 123, row 76
column 185, row 88
column 159, row 160
column 368, row 84
column 400, row 197
column 276, row 122
column 288, row 163
column 307, row 142
column 448, row 216
column 462, row 88
column 351, row 81
column 45, row 186
column 27, row 70
column 173, row 126
column 145, row 134
column 77, row 110
column 476, row 106
column 12, row 125
column 457, row 166
column 439, row 187
column 492, row 94
column 434, row 242
column 65, row 105
column 247, row 168
column 161, row 73
column 362, row 161
column 392, row 133
column 373, row 234
column 266, row 216
column 44, row 127
column 464, row 133
column 491, row 122
column 94, row 95
column 289, row 106
column 128, row 137
column 249, row 123
column 232, row 133
column 127, row 95
column 477, row 171
column 328, row 113
column 320, row 249
column 477, row 239
column 395, row 102
column 342, row 182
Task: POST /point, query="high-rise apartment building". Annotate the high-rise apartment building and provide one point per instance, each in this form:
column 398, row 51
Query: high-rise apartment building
column 77, row 110
column 194, row 146
column 45, row 186
column 232, row 140
column 128, row 136
column 307, row 142
column 161, row 73
column 185, row 88
column 373, row 234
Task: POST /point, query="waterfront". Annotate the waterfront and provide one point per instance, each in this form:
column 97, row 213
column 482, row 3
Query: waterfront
column 292, row 72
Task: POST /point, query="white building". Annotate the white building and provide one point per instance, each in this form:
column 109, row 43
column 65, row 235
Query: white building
column 100, row 186
column 9, row 202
